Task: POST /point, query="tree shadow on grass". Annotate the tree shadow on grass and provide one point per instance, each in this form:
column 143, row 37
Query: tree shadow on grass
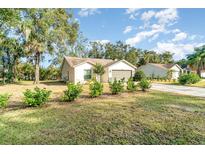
column 53, row 83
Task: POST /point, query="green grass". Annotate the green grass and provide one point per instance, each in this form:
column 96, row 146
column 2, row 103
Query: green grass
column 130, row 118
column 199, row 84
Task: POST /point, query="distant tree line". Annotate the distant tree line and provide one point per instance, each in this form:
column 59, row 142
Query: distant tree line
column 120, row 50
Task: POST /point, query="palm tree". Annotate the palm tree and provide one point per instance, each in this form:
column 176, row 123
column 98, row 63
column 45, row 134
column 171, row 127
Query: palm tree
column 99, row 70
column 197, row 59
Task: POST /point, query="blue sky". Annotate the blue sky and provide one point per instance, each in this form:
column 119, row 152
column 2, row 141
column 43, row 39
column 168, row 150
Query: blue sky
column 175, row 30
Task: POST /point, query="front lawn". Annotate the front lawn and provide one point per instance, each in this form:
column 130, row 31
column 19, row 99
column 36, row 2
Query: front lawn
column 130, row 118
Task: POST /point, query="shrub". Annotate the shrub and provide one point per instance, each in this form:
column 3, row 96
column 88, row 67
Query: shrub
column 144, row 84
column 36, row 97
column 117, row 87
column 131, row 86
column 96, row 88
column 139, row 75
column 73, row 91
column 183, row 79
column 194, row 78
column 189, row 78
column 158, row 77
column 4, row 98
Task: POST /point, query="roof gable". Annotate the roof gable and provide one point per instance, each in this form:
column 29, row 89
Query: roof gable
column 126, row 62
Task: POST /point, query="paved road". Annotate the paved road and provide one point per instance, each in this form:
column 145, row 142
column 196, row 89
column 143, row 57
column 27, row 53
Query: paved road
column 192, row 91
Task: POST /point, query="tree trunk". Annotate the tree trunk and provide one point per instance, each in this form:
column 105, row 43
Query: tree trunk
column 14, row 70
column 199, row 71
column 37, row 63
column 10, row 68
column 3, row 73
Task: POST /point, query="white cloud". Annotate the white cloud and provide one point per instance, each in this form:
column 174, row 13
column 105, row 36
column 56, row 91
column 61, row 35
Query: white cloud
column 101, row 41
column 154, row 37
column 163, row 19
column 176, row 31
column 144, row 35
column 88, row 12
column 147, row 15
column 127, row 29
column 133, row 12
column 179, row 50
column 180, row 36
column 167, row 15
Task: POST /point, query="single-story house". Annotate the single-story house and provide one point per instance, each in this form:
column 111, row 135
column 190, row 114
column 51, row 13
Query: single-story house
column 161, row 70
column 76, row 69
column 193, row 70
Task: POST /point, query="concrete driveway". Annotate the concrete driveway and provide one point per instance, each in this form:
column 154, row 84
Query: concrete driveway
column 192, row 91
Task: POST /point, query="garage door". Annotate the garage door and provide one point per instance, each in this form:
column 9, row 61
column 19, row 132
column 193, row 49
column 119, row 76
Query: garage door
column 175, row 74
column 120, row 74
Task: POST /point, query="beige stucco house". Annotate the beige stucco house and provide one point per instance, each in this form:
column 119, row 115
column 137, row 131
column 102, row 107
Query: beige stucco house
column 161, row 70
column 76, row 69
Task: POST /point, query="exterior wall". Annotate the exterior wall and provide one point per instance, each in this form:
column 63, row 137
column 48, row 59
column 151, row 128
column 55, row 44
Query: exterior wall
column 175, row 72
column 79, row 72
column 119, row 66
column 203, row 74
column 67, row 72
column 105, row 76
column 150, row 70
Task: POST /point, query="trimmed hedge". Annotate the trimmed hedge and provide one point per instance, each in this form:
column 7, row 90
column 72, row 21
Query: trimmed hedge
column 131, row 86
column 73, row 91
column 36, row 97
column 144, row 84
column 116, row 87
column 4, row 99
column 96, row 88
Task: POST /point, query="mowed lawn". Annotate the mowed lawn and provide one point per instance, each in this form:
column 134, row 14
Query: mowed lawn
column 129, row 118
column 198, row 84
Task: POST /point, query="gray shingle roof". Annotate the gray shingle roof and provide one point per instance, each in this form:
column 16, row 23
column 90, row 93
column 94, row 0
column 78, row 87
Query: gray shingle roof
column 73, row 61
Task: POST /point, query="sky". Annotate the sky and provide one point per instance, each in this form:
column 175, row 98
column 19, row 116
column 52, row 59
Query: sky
column 174, row 30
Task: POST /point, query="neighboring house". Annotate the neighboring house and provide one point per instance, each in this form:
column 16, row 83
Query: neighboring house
column 193, row 70
column 81, row 69
column 161, row 70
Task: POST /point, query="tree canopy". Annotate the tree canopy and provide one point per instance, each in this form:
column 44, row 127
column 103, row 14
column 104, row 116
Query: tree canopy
column 197, row 59
column 32, row 33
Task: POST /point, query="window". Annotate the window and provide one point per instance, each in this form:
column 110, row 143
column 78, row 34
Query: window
column 87, row 74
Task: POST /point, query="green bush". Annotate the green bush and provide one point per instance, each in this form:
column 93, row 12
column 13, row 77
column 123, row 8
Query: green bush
column 36, row 97
column 144, row 84
column 139, row 75
column 131, row 86
column 4, row 98
column 73, row 91
column 188, row 79
column 117, row 87
column 96, row 88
